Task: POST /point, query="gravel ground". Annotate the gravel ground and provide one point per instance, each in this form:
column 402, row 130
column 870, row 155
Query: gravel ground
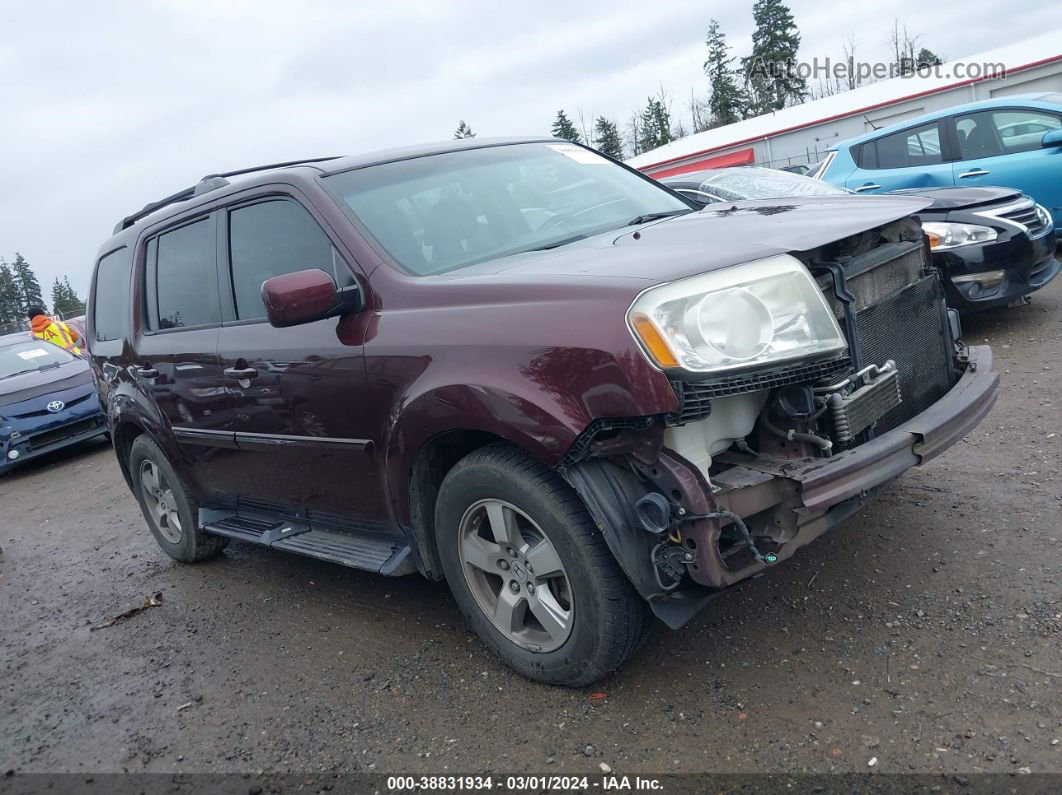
column 923, row 633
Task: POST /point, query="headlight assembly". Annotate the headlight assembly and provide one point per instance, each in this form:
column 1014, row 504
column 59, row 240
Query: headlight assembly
column 739, row 318
column 943, row 236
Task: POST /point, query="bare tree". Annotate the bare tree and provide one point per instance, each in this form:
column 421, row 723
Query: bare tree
column 904, row 49
column 587, row 136
column 700, row 115
column 634, row 132
column 849, row 48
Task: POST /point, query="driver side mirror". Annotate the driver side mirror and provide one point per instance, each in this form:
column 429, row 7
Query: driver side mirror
column 292, row 299
column 1051, row 138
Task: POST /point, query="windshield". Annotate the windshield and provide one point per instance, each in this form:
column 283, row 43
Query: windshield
column 736, row 184
column 30, row 356
column 447, row 211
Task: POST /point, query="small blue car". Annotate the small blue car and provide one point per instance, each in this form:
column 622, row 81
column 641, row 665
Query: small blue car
column 1013, row 142
column 47, row 400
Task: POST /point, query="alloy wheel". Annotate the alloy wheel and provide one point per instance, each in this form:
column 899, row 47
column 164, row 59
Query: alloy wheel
column 159, row 498
column 516, row 575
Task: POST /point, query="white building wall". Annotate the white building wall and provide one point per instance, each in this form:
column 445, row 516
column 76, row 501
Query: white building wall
column 890, row 102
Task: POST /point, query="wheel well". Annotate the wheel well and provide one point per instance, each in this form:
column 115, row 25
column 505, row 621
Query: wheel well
column 434, row 460
column 123, row 435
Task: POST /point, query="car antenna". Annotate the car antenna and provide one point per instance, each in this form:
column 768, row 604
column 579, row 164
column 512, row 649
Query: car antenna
column 873, row 126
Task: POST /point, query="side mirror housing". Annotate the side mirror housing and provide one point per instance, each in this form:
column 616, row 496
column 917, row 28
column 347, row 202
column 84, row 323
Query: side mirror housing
column 292, row 299
column 1052, row 138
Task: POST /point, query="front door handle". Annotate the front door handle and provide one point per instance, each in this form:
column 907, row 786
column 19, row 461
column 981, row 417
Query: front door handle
column 147, row 371
column 867, row 187
column 241, row 373
column 977, row 172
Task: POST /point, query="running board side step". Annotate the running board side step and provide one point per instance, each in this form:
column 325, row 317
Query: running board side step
column 383, row 556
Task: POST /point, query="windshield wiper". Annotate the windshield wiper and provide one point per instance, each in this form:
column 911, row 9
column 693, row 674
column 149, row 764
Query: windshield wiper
column 644, row 219
column 20, row 372
column 555, row 244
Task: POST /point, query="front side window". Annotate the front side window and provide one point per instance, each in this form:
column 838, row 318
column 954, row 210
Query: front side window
column 182, row 277
column 977, row 136
column 1023, row 130
column 270, row 239
column 919, row 146
column 451, row 210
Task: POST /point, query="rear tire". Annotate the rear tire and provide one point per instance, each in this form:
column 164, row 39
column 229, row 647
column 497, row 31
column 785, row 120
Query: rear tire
column 171, row 513
column 531, row 572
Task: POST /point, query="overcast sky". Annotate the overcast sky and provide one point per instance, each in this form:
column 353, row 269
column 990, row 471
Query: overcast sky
column 107, row 106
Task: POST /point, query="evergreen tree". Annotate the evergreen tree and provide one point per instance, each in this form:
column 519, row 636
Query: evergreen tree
column 927, row 58
column 654, row 126
column 770, row 71
column 29, row 288
column 727, row 99
column 11, row 309
column 563, row 128
column 463, row 131
column 65, row 301
column 73, row 301
column 58, row 297
column 607, row 138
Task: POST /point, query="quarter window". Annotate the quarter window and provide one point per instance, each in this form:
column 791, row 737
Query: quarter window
column 110, row 302
column 270, row 239
column 182, row 280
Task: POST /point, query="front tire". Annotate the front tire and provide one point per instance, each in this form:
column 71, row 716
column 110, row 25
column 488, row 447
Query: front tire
column 171, row 513
column 531, row 572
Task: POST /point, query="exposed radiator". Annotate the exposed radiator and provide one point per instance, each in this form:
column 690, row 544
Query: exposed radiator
column 909, row 327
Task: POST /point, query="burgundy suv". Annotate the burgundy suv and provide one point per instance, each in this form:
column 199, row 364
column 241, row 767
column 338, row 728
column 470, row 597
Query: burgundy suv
column 525, row 368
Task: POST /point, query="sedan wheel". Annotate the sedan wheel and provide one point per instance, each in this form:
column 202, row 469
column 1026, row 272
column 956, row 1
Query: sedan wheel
column 516, row 575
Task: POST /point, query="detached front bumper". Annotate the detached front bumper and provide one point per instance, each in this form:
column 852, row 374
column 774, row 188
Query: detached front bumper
column 812, row 495
column 918, row 440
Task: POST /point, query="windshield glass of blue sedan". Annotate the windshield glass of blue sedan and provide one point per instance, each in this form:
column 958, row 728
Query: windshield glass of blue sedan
column 28, row 357
column 447, row 211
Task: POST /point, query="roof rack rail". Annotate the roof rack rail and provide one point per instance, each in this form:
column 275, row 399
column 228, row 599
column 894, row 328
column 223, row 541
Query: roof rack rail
column 205, row 185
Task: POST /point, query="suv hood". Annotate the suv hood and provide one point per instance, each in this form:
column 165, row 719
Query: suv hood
column 717, row 236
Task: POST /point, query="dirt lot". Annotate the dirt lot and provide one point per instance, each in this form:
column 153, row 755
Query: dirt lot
column 924, row 633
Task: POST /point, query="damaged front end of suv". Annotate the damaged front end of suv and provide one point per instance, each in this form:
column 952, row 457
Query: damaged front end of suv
column 805, row 382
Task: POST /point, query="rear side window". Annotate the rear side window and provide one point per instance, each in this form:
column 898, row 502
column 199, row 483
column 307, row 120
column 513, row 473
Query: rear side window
column 182, row 284
column 111, row 296
column 270, row 239
column 919, row 146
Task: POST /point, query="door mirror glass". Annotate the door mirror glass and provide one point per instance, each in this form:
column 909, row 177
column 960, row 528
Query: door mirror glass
column 1052, row 138
column 292, row 299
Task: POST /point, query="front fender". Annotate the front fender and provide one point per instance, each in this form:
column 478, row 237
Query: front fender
column 538, row 427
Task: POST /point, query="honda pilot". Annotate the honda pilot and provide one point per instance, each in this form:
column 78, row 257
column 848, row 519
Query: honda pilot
column 524, row 368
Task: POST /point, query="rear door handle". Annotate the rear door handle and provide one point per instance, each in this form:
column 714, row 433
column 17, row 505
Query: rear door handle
column 977, row 172
column 241, row 373
column 147, row 372
column 867, row 187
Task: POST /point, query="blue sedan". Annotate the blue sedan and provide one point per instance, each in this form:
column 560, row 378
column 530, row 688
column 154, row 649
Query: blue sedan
column 47, row 400
column 1014, row 142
